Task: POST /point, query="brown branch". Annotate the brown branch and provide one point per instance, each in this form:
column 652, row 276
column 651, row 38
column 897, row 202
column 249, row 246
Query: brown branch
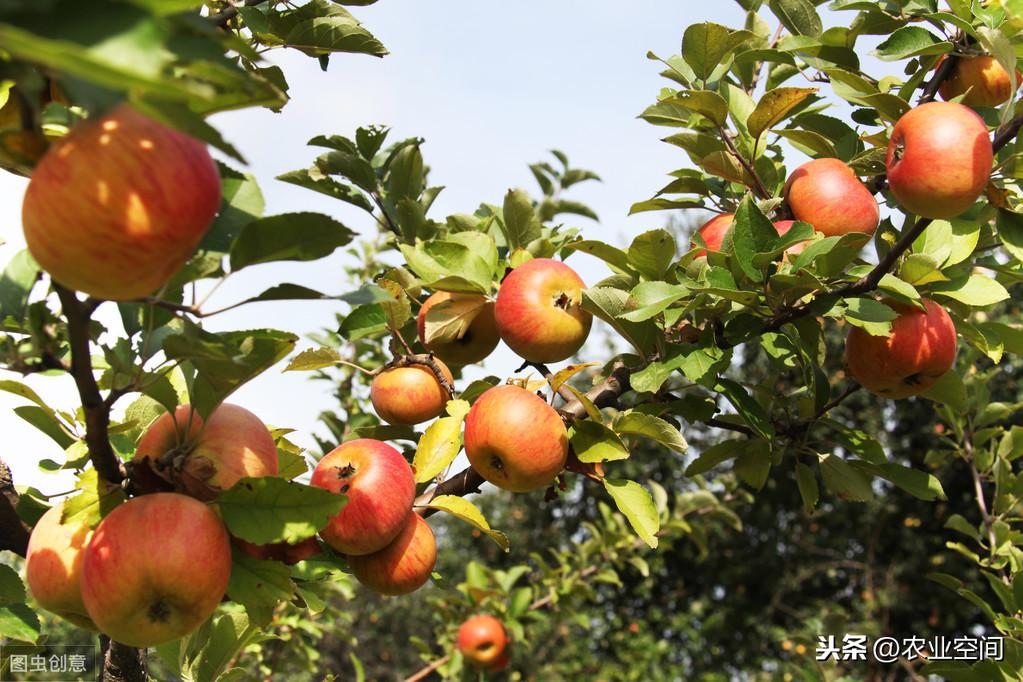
column 423, row 360
column 122, row 663
column 758, row 184
column 546, row 373
column 835, row 402
column 224, row 16
column 13, row 531
column 942, row 73
column 425, row 671
column 97, row 411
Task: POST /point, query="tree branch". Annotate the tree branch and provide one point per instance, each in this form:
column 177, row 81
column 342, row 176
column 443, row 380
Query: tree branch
column 546, row 373
column 939, row 77
column 13, row 531
column 224, row 16
column 97, row 411
column 122, row 663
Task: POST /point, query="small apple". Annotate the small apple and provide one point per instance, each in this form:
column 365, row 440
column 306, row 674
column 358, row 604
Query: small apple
column 827, row 194
column 404, row 565
column 921, row 348
column 539, row 311
column 280, row 551
column 380, row 489
column 987, row 82
column 713, row 232
column 482, row 640
column 118, row 205
column 155, row 569
column 53, row 566
column 939, row 159
column 515, row 440
column 477, row 340
column 207, row 457
column 410, row 395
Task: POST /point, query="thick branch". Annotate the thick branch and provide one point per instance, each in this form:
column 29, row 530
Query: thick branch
column 97, row 411
column 122, row 663
column 13, row 531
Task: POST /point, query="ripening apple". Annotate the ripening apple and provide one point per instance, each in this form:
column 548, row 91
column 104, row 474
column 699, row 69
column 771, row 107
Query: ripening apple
column 404, row 565
column 921, row 348
column 827, row 194
column 410, row 395
column 939, row 159
column 539, row 311
column 985, row 82
column 53, row 566
column 515, row 440
column 119, row 204
column 232, row 443
column 482, row 640
column 476, row 342
column 713, row 232
column 155, row 569
column 280, row 551
column 380, row 488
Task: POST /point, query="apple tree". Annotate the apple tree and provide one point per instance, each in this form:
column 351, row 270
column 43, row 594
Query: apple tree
column 863, row 177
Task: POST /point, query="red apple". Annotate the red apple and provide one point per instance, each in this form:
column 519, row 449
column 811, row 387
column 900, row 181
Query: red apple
column 380, row 489
column 500, row 664
column 713, row 232
column 482, row 640
column 783, row 226
column 985, row 82
column 404, row 565
column 539, row 311
column 410, row 395
column 53, row 566
column 827, row 194
column 515, row 440
column 476, row 342
column 117, row 206
column 232, row 443
column 280, row 551
column 920, row 350
column 939, row 159
column 156, row 568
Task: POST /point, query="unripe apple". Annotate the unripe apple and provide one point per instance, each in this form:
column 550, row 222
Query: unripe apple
column 156, row 568
column 539, row 311
column 477, row 342
column 482, row 640
column 117, row 206
column 939, row 159
column 53, row 566
column 410, row 395
column 515, row 440
column 827, row 194
column 713, row 232
column 921, row 348
column 986, row 80
column 280, row 551
column 380, row 489
column 404, row 565
column 231, row 444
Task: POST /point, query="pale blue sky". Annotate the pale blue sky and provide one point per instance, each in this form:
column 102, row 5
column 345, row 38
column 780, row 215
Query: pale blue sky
column 491, row 87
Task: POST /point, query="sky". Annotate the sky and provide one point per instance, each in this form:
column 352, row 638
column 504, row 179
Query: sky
column 491, row 87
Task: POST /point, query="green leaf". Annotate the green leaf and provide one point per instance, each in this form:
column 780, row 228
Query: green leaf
column 845, row 481
column 259, row 585
column 636, row 503
column 747, row 407
column 716, row 454
column 705, row 45
column 97, row 498
column 774, row 106
column 316, row 180
column 798, row 16
column 12, row 590
column 16, row 283
column 449, row 266
column 806, row 481
column 752, row 233
column 19, row 622
column 919, row 484
column 1010, row 231
column 753, row 468
column 289, row 236
column 872, row 316
column 910, row 41
column 465, row 510
column 45, row 421
column 366, row 320
column 312, row 359
column 706, row 103
column 649, row 426
column 949, row 390
column 594, row 442
column 809, row 142
column 652, row 298
column 521, row 222
column 437, row 448
column 269, row 509
column 324, row 35
column 651, row 253
column 974, row 290
column 611, row 255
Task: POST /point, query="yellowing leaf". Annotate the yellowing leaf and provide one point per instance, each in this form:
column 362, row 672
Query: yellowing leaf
column 458, row 408
column 774, row 106
column 636, row 503
column 563, row 375
column 449, row 320
column 470, row 513
column 313, row 358
column 437, row 448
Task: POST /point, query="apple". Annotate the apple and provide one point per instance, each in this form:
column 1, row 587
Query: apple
column 981, row 78
column 380, row 489
column 231, row 444
column 939, row 159
column 500, row 664
column 155, row 569
column 410, row 395
column 280, row 551
column 539, row 311
column 783, row 226
column 119, row 204
column 515, row 440
column 921, row 348
column 713, row 232
column 477, row 340
column 827, row 194
column 53, row 566
column 482, row 640
column 404, row 565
